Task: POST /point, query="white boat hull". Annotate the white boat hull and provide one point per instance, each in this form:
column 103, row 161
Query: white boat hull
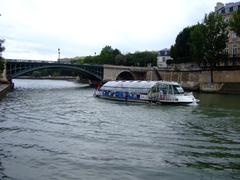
column 160, row 92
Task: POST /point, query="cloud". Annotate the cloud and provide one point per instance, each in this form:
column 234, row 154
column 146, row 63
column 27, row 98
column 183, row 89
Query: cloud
column 36, row 29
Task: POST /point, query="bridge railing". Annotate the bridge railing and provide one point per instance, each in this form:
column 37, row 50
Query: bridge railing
column 31, row 61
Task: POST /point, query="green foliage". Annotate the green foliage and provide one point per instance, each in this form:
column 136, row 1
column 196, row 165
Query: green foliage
column 78, row 60
column 172, row 52
column 234, row 23
column 169, row 62
column 120, row 59
column 1, row 59
column 142, row 59
column 1, row 46
column 56, row 73
column 216, row 36
column 200, row 42
column 197, row 42
column 181, row 51
column 52, row 72
column 1, row 65
column 107, row 55
column 112, row 56
column 36, row 73
column 108, row 50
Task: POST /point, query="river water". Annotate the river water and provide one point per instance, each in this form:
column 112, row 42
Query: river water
column 58, row 130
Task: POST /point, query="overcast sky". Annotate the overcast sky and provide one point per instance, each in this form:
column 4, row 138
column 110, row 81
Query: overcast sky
column 35, row 29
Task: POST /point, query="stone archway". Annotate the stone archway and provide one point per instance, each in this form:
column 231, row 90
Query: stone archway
column 126, row 75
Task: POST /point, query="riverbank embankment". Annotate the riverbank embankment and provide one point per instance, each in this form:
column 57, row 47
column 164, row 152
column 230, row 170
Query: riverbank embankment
column 4, row 89
column 226, row 81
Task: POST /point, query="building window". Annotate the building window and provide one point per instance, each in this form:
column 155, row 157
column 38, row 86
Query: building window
column 223, row 11
column 226, row 51
column 239, row 7
column 234, row 50
column 234, row 35
column 231, row 9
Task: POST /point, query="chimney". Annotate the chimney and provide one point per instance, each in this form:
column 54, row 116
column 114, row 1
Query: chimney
column 218, row 6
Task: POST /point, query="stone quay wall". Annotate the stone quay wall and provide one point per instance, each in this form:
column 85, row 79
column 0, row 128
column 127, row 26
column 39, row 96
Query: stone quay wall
column 201, row 79
column 4, row 89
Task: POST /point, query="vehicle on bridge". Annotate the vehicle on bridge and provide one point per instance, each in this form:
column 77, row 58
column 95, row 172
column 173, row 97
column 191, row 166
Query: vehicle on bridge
column 163, row 92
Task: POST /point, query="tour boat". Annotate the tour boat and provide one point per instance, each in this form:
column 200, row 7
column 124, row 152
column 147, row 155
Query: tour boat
column 164, row 92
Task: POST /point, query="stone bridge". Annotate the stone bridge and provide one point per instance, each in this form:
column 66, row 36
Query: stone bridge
column 130, row 73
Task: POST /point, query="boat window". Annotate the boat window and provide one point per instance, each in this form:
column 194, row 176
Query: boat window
column 126, row 89
column 178, row 89
column 163, row 88
column 155, row 89
column 170, row 89
column 136, row 87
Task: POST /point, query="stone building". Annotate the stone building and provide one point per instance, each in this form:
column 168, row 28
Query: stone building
column 233, row 44
column 163, row 56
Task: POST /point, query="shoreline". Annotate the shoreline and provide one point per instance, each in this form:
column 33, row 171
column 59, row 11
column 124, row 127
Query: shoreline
column 4, row 89
column 49, row 78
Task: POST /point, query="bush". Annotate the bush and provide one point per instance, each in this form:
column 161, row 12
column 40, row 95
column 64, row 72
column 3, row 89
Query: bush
column 1, row 65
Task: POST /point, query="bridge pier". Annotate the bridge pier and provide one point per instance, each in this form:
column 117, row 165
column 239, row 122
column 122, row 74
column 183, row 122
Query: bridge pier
column 112, row 72
column 4, row 79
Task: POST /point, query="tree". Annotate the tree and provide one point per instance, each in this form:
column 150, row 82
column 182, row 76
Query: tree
column 172, row 52
column 200, row 42
column 142, row 58
column 106, row 50
column 120, row 59
column 1, row 65
column 181, row 51
column 234, row 23
column 108, row 54
column 197, row 42
column 216, row 36
column 2, row 48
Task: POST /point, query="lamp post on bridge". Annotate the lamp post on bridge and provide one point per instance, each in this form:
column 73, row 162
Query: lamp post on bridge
column 58, row 54
column 4, row 73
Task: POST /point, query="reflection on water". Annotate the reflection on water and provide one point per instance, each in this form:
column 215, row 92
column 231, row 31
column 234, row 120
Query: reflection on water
column 220, row 101
column 58, row 130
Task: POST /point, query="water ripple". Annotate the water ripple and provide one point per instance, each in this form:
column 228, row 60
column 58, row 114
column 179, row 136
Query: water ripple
column 58, row 130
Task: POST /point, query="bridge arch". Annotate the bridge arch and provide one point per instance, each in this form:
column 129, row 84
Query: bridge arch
column 126, row 75
column 79, row 69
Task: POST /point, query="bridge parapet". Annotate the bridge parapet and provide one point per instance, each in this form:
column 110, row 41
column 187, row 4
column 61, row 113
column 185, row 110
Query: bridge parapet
column 18, row 67
column 30, row 61
column 132, row 68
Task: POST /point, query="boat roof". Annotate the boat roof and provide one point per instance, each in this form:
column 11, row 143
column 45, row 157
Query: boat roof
column 137, row 84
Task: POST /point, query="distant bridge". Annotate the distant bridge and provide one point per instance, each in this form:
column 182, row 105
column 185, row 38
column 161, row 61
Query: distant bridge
column 18, row 67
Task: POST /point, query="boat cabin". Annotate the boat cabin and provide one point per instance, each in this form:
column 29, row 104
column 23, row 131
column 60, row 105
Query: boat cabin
column 140, row 90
